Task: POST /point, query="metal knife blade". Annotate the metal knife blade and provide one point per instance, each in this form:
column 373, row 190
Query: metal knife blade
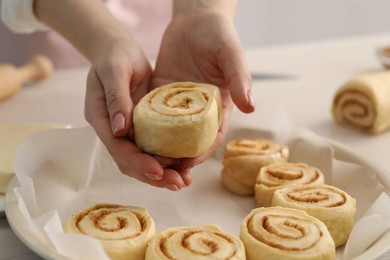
column 272, row 76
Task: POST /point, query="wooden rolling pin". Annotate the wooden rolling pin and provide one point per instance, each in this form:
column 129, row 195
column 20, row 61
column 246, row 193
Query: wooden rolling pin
column 39, row 67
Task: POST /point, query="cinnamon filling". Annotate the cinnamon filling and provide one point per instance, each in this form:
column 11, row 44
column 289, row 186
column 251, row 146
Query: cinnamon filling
column 279, row 174
column 313, row 195
column 163, row 245
column 101, row 212
column 286, row 174
column 282, row 243
column 355, row 117
column 254, row 147
column 185, row 238
column 184, row 104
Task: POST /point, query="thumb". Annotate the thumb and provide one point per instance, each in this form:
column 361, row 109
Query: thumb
column 237, row 76
column 116, row 84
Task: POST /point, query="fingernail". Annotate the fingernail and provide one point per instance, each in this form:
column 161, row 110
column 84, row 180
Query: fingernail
column 251, row 99
column 187, row 180
column 152, row 176
column 171, row 187
column 118, row 122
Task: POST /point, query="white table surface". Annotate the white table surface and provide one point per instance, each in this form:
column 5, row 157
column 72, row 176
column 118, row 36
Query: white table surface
column 317, row 70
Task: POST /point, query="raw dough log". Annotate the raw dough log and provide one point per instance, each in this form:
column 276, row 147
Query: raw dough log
column 364, row 102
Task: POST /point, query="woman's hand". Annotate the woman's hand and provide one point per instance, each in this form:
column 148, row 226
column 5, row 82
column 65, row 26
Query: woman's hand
column 203, row 46
column 118, row 79
column 200, row 44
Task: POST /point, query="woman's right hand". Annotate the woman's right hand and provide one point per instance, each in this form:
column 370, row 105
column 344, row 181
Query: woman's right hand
column 118, row 79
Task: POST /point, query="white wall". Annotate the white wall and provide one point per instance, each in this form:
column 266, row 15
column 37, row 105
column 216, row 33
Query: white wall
column 266, row 22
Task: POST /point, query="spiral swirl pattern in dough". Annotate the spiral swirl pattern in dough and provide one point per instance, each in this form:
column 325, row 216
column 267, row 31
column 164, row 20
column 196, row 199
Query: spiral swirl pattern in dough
column 243, row 159
column 178, row 120
column 279, row 175
column 204, row 242
column 283, row 233
column 123, row 231
column 329, row 204
column 364, row 102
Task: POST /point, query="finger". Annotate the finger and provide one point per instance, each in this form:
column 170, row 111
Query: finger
column 95, row 104
column 237, row 75
column 134, row 160
column 172, row 180
column 167, row 162
column 186, row 176
column 115, row 79
column 188, row 163
column 123, row 151
column 175, row 164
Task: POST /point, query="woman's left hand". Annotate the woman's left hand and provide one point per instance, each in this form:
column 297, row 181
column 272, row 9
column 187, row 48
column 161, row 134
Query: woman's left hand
column 204, row 47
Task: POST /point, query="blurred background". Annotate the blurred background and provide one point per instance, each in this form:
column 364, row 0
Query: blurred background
column 269, row 22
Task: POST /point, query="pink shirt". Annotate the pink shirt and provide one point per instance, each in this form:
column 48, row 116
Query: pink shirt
column 146, row 20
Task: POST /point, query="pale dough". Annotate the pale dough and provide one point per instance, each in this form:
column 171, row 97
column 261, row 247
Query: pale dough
column 195, row 243
column 284, row 233
column 178, row 120
column 329, row 204
column 123, row 231
column 280, row 175
column 243, row 159
column 364, row 102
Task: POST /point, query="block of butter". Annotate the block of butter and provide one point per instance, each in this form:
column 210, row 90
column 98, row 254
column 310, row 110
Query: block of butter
column 11, row 135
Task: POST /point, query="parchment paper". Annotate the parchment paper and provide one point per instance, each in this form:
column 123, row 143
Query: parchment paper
column 64, row 170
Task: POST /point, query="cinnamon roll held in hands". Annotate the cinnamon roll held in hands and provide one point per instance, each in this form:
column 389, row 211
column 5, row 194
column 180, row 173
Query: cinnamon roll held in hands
column 329, row 204
column 178, row 120
column 123, row 231
column 364, row 102
column 243, row 159
column 284, row 233
column 279, row 175
column 204, row 242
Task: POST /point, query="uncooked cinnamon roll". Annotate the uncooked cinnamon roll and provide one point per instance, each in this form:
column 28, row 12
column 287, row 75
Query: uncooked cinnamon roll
column 243, row 159
column 280, row 175
column 204, row 242
column 283, row 233
column 123, row 231
column 178, row 120
column 329, row 204
column 364, row 102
